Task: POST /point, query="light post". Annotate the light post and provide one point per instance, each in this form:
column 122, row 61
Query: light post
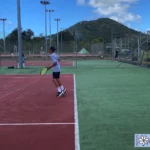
column 57, row 19
column 61, row 38
column 49, row 11
column 45, row 3
column 3, row 20
column 20, row 64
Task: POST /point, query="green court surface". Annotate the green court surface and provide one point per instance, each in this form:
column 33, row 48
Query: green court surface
column 113, row 103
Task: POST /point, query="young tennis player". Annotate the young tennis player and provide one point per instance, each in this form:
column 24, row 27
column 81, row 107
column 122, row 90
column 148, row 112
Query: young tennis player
column 56, row 71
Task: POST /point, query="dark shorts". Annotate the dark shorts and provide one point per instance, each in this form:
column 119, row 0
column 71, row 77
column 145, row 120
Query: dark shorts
column 56, row 75
column 116, row 54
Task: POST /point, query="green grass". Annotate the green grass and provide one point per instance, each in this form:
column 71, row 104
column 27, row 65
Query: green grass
column 113, row 104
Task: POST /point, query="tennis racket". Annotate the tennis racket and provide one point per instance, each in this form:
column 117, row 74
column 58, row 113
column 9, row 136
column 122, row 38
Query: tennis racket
column 43, row 71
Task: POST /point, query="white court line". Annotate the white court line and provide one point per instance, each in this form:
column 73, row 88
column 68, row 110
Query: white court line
column 31, row 76
column 19, row 77
column 35, row 124
column 12, row 77
column 77, row 140
column 76, row 123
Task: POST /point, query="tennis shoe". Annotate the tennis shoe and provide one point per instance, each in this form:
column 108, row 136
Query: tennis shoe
column 59, row 94
column 64, row 91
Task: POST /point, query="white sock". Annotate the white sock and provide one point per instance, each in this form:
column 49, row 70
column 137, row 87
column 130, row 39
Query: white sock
column 62, row 87
column 59, row 89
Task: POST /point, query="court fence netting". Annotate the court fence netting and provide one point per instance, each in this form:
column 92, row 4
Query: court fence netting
column 133, row 51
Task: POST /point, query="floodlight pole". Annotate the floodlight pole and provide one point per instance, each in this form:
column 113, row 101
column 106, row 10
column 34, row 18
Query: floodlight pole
column 61, row 38
column 148, row 33
column 45, row 3
column 3, row 20
column 57, row 34
column 49, row 11
column 19, row 34
column 112, row 43
column 76, row 46
column 139, row 50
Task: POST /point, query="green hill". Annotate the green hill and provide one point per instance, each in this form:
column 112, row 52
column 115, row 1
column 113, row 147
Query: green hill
column 103, row 29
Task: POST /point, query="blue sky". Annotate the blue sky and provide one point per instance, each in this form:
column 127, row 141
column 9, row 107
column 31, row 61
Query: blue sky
column 133, row 13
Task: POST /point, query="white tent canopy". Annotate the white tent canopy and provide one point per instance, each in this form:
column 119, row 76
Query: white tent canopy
column 83, row 51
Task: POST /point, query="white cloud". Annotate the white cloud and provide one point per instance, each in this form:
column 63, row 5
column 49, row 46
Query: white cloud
column 148, row 29
column 129, row 25
column 136, row 29
column 9, row 22
column 114, row 9
column 125, row 17
column 80, row 2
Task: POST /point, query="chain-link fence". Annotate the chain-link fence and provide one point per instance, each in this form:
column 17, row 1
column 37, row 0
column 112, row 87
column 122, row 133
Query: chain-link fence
column 137, row 52
column 35, row 53
column 131, row 49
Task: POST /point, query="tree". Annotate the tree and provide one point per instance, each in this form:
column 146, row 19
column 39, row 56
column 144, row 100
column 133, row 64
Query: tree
column 1, row 45
column 37, row 39
column 97, row 40
column 27, row 35
column 66, row 35
column 13, row 36
column 1, row 42
column 41, row 35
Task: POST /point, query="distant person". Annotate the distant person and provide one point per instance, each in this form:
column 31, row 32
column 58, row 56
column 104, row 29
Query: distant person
column 56, row 72
column 23, row 60
column 116, row 55
column 100, row 54
column 12, row 54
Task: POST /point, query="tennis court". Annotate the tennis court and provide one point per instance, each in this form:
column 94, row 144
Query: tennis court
column 113, row 105
column 6, row 63
column 31, row 117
